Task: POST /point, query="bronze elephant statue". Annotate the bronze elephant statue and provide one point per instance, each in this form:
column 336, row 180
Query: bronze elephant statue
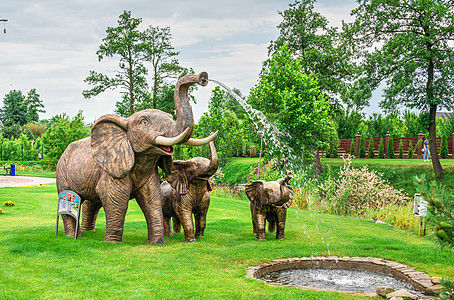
column 120, row 160
column 185, row 192
column 269, row 202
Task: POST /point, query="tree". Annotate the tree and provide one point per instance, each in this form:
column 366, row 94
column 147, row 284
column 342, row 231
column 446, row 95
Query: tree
column 362, row 148
column 444, row 147
column 370, row 151
column 352, row 148
column 158, row 51
column 34, row 106
column 409, row 45
column 390, row 147
column 309, row 37
column 381, row 149
column 401, row 149
column 293, row 102
column 411, row 152
column 14, row 110
column 125, row 41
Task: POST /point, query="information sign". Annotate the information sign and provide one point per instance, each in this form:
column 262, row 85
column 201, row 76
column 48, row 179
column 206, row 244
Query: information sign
column 69, row 204
column 419, row 206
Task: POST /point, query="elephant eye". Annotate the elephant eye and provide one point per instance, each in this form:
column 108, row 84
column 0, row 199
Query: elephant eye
column 144, row 122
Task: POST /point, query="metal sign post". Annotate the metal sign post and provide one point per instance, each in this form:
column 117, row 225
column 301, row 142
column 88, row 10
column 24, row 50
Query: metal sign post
column 69, row 203
column 420, row 209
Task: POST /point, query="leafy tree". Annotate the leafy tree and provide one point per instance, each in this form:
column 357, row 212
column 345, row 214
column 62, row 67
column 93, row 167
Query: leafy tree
column 348, row 122
column 444, row 147
column 352, row 148
column 292, row 101
column 34, row 106
column 125, row 41
column 412, row 124
column 370, row 151
column 14, row 110
column 335, row 153
column 362, row 148
column 407, row 44
column 390, row 148
column 12, row 132
column 36, row 129
column 401, row 149
column 381, row 149
column 309, row 38
column 60, row 134
column 411, row 152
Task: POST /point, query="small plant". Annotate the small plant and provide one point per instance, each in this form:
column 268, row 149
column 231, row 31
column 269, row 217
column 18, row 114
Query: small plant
column 370, row 151
column 410, row 150
column 390, row 148
column 362, row 148
column 352, row 148
column 401, row 149
column 1, row 211
column 447, row 292
column 381, row 149
column 9, row 203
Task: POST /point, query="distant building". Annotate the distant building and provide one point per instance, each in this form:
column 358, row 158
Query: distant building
column 443, row 115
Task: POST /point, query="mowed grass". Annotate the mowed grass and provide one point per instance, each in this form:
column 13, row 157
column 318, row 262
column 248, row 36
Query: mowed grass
column 37, row 264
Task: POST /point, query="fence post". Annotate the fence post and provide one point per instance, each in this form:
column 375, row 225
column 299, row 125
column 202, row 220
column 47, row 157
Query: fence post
column 420, row 137
column 386, row 144
column 357, row 139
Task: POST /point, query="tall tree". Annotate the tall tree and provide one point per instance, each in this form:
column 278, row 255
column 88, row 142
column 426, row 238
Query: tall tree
column 409, row 45
column 125, row 41
column 14, row 110
column 34, row 106
column 161, row 55
column 318, row 46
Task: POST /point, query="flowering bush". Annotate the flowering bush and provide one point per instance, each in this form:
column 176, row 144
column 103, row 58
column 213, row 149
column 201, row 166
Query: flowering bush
column 8, row 203
column 357, row 190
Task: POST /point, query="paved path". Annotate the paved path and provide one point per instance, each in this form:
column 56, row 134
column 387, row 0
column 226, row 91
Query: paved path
column 13, row 181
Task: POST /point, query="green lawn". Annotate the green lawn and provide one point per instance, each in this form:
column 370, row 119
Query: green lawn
column 37, row 264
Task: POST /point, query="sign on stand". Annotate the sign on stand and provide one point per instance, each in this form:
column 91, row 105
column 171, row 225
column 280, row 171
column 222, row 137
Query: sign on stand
column 420, row 209
column 69, row 204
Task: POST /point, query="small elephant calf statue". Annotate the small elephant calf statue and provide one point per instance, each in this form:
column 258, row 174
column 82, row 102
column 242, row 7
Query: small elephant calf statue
column 269, row 202
column 186, row 192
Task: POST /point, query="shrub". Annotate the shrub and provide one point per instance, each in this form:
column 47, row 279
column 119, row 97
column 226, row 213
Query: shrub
column 352, row 148
column 447, row 292
column 444, row 147
column 370, row 152
column 358, row 189
column 410, row 150
column 390, row 148
column 381, row 149
column 401, row 149
column 335, row 152
column 8, row 203
column 362, row 148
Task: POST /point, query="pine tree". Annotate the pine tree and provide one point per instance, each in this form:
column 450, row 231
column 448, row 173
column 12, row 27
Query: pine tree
column 362, row 148
column 390, row 149
column 381, row 149
column 370, row 152
column 444, row 147
column 401, row 149
column 335, row 151
column 410, row 150
column 352, row 148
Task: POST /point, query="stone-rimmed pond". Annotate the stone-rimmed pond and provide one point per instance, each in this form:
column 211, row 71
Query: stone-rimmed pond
column 405, row 277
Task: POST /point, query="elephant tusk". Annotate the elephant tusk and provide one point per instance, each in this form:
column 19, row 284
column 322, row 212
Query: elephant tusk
column 200, row 142
column 166, row 141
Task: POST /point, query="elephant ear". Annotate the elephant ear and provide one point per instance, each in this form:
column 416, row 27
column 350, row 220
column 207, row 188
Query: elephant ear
column 165, row 163
column 254, row 191
column 110, row 146
column 178, row 179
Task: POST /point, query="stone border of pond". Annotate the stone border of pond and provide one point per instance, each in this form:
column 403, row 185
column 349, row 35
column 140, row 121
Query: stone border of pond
column 419, row 280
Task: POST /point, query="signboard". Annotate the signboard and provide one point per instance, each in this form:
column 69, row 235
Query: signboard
column 69, row 204
column 419, row 206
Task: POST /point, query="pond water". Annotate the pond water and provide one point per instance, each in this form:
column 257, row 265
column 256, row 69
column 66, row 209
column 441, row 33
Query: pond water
column 337, row 279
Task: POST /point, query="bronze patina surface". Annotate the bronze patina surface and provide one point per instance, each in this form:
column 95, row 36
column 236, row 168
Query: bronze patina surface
column 120, row 160
column 269, row 202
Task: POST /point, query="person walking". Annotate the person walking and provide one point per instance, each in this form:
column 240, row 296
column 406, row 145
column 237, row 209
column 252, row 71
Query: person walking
column 426, row 155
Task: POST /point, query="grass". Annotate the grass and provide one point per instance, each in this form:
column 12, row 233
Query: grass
column 37, row 264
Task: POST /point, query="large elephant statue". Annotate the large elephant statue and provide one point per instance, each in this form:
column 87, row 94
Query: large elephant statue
column 120, row 160
column 186, row 191
column 269, row 202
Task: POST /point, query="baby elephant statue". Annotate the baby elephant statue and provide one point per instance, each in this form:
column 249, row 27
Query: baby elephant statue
column 269, row 202
column 186, row 192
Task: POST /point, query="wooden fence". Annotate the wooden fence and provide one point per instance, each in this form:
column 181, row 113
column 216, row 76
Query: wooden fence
column 345, row 144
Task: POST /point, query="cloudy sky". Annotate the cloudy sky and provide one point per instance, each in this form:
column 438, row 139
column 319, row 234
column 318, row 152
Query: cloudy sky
column 51, row 45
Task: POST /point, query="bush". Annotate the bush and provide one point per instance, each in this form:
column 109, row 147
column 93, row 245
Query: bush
column 352, row 148
column 357, row 190
column 444, row 147
column 390, row 148
column 370, row 151
column 401, row 149
column 9, row 203
column 381, row 149
column 447, row 292
column 362, row 148
column 335, row 151
column 410, row 150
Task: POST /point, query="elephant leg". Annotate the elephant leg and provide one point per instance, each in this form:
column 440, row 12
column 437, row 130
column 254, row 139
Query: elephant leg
column 167, row 231
column 149, row 198
column 176, row 225
column 185, row 215
column 254, row 218
column 201, row 217
column 272, row 224
column 70, row 226
column 90, row 210
column 281, row 217
column 114, row 195
column 260, row 227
